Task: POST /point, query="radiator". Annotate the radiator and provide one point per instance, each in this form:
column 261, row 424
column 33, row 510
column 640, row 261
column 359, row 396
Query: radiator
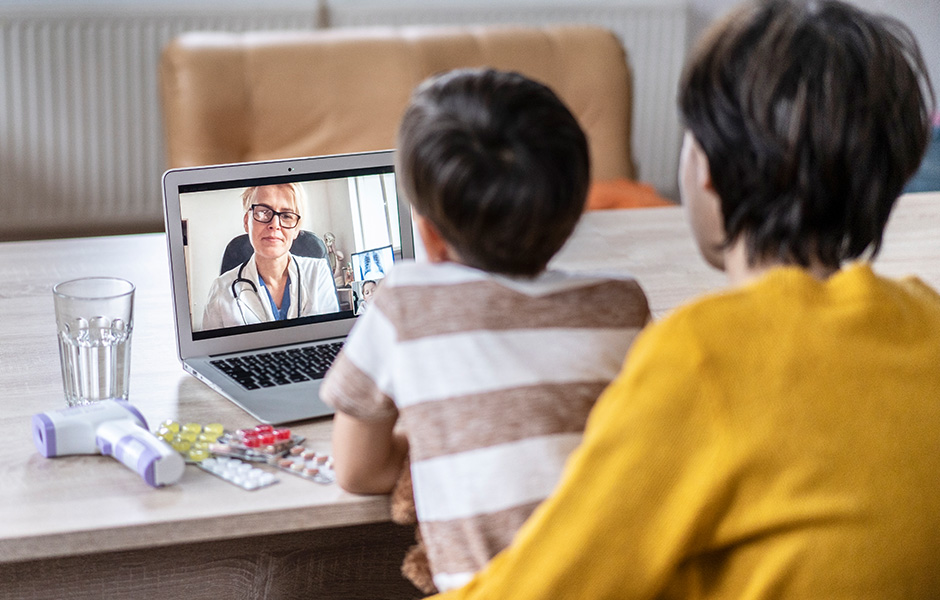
column 81, row 141
column 654, row 33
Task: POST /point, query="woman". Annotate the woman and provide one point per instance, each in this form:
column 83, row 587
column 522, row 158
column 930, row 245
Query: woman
column 272, row 284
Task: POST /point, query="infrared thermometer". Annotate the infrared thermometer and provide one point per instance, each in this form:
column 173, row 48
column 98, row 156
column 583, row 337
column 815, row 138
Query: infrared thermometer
column 109, row 427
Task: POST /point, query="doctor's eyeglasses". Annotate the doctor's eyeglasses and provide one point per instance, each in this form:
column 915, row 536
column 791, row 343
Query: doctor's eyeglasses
column 263, row 213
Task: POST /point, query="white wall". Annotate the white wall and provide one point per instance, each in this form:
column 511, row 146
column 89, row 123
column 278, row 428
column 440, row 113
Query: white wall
column 922, row 16
column 82, row 146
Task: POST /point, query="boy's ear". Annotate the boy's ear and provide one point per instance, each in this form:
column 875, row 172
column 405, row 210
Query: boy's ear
column 434, row 245
column 703, row 174
column 702, row 203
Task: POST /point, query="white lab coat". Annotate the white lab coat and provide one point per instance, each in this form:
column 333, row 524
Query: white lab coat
column 317, row 294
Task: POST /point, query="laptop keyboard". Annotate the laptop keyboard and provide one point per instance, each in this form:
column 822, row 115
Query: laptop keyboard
column 279, row 367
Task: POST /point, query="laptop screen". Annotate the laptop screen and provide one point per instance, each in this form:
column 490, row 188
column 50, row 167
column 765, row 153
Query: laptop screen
column 333, row 224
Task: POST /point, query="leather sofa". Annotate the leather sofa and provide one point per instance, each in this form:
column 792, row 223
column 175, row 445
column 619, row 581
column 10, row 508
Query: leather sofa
column 232, row 97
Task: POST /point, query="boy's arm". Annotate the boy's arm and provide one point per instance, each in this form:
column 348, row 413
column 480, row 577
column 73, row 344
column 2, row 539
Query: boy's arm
column 368, row 452
column 368, row 455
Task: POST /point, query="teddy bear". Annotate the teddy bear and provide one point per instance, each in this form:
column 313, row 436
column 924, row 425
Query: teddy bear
column 415, row 566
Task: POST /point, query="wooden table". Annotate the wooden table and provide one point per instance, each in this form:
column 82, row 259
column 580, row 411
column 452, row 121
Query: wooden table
column 656, row 246
column 86, row 527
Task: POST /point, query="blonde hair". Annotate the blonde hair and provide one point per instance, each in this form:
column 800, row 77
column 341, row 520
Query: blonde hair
column 294, row 191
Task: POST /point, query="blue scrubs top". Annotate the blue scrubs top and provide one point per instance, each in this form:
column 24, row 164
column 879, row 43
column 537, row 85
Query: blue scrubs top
column 279, row 314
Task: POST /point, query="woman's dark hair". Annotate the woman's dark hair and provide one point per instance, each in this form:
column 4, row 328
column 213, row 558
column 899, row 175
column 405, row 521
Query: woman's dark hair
column 813, row 116
column 498, row 164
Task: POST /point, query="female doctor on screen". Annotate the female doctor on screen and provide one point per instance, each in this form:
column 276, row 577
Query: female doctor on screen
column 272, row 284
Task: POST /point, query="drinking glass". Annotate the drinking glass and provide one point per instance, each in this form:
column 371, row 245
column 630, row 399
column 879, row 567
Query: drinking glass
column 94, row 319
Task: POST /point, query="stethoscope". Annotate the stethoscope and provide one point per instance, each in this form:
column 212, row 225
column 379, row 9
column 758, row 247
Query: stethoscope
column 237, row 291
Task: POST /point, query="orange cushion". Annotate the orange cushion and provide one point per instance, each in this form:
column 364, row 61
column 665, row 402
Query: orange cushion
column 624, row 193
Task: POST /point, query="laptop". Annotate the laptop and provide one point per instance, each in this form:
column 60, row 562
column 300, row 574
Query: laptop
column 350, row 207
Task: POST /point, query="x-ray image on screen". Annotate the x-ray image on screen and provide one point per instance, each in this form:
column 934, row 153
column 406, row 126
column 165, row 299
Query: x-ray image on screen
column 372, row 264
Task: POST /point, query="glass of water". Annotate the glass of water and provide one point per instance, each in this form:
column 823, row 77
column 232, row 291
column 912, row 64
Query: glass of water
column 94, row 318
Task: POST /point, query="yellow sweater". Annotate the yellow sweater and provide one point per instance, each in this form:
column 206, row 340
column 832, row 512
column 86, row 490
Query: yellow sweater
column 781, row 440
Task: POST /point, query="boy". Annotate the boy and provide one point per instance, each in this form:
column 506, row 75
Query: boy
column 480, row 364
column 778, row 440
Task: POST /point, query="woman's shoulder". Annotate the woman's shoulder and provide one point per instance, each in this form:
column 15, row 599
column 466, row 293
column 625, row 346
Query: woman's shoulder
column 309, row 260
column 225, row 279
column 311, row 263
column 705, row 312
column 706, row 326
column 920, row 290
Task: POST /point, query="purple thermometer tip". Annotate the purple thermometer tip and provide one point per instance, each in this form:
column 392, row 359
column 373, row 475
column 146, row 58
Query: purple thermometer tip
column 44, row 435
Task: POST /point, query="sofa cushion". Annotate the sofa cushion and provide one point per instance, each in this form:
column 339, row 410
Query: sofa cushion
column 232, row 97
column 624, row 193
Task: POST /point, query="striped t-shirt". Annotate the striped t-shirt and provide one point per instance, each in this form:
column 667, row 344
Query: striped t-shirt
column 492, row 379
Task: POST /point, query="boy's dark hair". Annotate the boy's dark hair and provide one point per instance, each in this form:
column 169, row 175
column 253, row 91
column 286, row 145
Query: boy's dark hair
column 813, row 116
column 498, row 164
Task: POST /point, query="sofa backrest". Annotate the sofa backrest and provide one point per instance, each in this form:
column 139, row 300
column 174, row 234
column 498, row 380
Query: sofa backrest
column 232, row 97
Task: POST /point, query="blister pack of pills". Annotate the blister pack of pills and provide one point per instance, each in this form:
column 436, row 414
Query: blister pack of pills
column 238, row 472
column 258, row 443
column 228, row 454
column 191, row 440
column 308, row 464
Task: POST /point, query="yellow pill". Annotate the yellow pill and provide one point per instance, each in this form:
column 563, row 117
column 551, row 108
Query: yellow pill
column 165, row 434
column 214, row 428
column 198, row 454
column 180, row 445
column 194, row 427
column 189, row 436
column 201, row 445
column 171, row 425
column 208, row 436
